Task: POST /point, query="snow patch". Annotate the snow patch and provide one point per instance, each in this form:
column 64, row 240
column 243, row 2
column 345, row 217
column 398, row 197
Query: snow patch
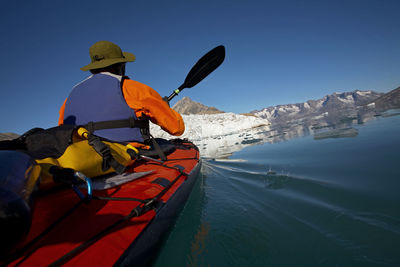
column 348, row 99
column 364, row 93
column 323, row 115
column 320, row 103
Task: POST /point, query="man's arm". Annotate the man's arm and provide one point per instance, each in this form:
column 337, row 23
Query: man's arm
column 146, row 101
column 61, row 112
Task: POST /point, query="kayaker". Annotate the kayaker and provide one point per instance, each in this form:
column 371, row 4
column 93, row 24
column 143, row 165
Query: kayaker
column 123, row 106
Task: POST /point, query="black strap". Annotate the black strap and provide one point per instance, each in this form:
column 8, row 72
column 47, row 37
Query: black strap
column 62, row 260
column 105, row 152
column 120, row 199
column 161, row 181
column 127, row 123
column 158, row 149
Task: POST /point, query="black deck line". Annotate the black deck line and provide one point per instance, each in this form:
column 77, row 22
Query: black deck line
column 146, row 247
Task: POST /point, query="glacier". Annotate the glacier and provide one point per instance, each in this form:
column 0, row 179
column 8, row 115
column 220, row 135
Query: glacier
column 219, row 135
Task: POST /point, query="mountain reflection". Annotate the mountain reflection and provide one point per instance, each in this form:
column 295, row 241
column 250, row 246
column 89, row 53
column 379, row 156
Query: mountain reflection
column 327, row 126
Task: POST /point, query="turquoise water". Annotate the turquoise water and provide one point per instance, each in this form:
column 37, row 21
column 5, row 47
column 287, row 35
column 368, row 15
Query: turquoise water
column 332, row 202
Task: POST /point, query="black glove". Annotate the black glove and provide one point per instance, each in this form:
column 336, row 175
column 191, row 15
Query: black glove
column 165, row 98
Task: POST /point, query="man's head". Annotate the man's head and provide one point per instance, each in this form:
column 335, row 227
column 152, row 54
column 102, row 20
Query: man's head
column 106, row 56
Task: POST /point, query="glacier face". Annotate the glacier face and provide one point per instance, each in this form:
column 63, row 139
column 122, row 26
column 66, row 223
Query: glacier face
column 218, row 135
column 199, row 127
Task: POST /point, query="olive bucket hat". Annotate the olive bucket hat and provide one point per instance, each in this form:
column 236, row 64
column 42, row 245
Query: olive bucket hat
column 105, row 53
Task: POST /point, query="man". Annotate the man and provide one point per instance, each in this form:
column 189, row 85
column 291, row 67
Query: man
column 114, row 107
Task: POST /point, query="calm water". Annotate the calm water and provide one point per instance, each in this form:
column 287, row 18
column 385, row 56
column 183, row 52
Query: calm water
column 332, row 202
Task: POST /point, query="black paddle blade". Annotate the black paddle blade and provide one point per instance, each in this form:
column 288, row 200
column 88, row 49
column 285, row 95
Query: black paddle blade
column 207, row 64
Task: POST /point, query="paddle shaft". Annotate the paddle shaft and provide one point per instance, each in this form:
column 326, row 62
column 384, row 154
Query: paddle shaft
column 174, row 93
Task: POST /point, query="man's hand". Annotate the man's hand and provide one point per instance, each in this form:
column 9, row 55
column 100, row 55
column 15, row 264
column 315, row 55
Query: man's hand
column 165, row 98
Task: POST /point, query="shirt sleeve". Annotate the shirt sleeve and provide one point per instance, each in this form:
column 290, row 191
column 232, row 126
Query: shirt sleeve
column 146, row 101
column 61, row 112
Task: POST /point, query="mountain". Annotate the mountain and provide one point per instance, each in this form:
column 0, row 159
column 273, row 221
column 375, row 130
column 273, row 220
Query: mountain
column 330, row 108
column 187, row 106
column 8, row 136
column 387, row 101
column 220, row 134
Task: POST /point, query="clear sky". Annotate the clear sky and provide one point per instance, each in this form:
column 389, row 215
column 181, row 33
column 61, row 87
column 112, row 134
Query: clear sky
column 278, row 52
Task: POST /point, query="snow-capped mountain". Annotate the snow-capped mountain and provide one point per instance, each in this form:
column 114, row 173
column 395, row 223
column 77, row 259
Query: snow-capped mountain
column 219, row 135
column 333, row 106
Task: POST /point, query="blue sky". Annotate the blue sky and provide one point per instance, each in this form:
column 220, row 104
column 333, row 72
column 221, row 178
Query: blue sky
column 278, row 52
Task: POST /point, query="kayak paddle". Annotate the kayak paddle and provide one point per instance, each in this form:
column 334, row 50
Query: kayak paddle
column 203, row 67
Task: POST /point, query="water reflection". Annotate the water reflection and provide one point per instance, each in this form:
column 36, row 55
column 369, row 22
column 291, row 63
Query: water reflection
column 337, row 133
column 322, row 127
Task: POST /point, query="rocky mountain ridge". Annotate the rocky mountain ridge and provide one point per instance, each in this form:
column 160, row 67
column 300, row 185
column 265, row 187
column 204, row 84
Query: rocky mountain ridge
column 387, row 101
column 334, row 105
column 187, row 106
column 331, row 107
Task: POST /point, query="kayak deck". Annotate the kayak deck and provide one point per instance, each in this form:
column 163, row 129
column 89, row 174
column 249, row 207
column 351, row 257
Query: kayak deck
column 110, row 228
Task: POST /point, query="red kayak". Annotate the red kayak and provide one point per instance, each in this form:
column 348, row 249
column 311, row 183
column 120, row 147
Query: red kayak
column 120, row 226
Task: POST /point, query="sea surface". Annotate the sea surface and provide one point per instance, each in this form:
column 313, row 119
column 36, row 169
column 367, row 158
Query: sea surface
column 331, row 199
